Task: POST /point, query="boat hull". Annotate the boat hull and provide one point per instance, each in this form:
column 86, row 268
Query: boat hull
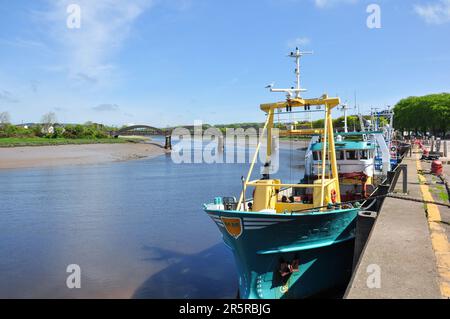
column 318, row 247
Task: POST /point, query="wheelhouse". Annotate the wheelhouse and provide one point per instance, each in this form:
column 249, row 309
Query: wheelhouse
column 351, row 156
column 350, row 151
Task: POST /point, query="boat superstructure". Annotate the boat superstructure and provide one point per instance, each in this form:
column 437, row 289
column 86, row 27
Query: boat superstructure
column 363, row 158
column 355, row 156
column 289, row 240
column 390, row 151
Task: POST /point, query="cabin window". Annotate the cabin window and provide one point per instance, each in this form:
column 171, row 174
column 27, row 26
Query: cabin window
column 317, row 156
column 340, row 155
column 351, row 155
column 363, row 154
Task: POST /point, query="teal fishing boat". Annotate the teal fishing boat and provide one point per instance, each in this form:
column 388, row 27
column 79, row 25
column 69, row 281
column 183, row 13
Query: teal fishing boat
column 288, row 244
column 355, row 153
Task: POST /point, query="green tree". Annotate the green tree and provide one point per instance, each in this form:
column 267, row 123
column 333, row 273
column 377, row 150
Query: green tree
column 429, row 113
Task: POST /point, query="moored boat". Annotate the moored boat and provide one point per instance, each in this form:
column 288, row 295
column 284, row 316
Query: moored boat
column 289, row 240
column 364, row 158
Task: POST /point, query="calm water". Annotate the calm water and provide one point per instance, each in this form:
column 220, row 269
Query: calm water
column 136, row 229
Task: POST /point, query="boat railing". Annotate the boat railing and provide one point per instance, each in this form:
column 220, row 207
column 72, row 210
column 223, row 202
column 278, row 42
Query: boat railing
column 255, row 183
column 328, row 135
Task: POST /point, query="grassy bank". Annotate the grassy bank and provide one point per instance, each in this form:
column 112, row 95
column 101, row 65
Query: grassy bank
column 42, row 141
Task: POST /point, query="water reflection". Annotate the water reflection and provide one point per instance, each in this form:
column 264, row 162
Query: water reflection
column 208, row 274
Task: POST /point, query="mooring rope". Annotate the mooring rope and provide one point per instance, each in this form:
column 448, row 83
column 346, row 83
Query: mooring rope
column 417, row 200
column 391, row 195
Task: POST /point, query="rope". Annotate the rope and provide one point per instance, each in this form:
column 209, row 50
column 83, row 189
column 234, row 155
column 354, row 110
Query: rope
column 370, row 206
column 418, row 200
column 391, row 195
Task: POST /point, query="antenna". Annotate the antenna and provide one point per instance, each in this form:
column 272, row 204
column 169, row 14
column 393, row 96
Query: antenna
column 375, row 117
column 345, row 109
column 297, row 54
column 356, row 104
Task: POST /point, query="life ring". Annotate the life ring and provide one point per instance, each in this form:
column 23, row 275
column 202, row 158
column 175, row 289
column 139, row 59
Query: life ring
column 333, row 196
column 394, row 149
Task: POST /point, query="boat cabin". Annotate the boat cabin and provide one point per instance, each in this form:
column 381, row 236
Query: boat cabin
column 352, row 157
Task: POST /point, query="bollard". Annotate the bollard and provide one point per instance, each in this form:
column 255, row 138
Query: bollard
column 401, row 169
column 432, row 144
column 405, row 179
column 364, row 224
column 445, row 148
column 436, row 168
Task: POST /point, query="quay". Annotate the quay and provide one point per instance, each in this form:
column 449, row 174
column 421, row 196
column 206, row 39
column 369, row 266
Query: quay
column 408, row 243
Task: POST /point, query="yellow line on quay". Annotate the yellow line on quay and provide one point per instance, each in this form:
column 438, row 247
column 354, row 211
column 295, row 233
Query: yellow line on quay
column 439, row 239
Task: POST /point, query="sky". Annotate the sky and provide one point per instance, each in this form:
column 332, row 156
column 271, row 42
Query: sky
column 170, row 62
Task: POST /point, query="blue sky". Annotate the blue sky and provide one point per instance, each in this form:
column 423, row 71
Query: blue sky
column 166, row 62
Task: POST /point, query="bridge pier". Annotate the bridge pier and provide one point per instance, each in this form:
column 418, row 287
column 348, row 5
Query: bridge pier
column 220, row 144
column 168, row 144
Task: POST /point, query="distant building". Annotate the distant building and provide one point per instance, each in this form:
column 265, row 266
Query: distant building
column 48, row 129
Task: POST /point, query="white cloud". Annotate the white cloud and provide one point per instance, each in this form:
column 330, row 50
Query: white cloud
column 298, row 42
column 105, row 25
column 106, row 108
column 329, row 3
column 434, row 13
column 23, row 43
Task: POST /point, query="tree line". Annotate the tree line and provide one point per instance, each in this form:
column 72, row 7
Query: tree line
column 423, row 114
column 49, row 128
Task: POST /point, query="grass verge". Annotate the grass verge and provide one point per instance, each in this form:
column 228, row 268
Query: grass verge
column 42, row 141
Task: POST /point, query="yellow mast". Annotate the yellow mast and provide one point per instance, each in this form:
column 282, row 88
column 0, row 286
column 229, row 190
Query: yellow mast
column 328, row 143
column 324, row 156
column 294, row 100
column 255, row 157
column 302, row 132
column 333, row 160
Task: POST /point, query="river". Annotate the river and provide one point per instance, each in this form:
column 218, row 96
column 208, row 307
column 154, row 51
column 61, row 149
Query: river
column 135, row 228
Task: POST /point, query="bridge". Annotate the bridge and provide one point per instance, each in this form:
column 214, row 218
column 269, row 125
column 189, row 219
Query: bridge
column 142, row 130
column 147, row 130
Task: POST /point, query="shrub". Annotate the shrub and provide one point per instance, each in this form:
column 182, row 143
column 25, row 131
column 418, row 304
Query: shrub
column 89, row 131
